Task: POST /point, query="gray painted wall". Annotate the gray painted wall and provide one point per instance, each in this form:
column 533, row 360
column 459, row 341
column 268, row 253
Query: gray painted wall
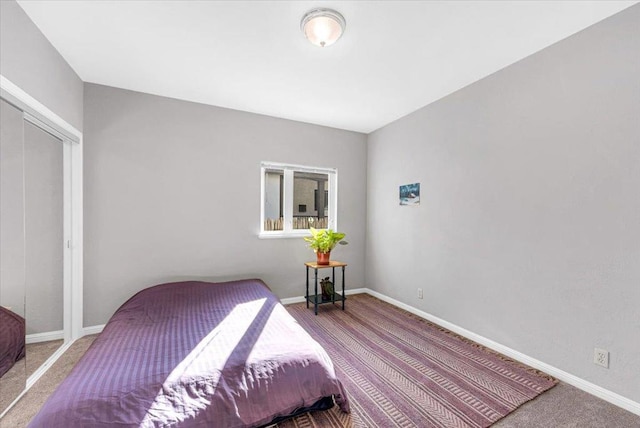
column 172, row 191
column 29, row 60
column 528, row 231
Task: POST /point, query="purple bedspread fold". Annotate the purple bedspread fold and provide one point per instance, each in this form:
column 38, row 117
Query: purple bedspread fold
column 12, row 339
column 195, row 354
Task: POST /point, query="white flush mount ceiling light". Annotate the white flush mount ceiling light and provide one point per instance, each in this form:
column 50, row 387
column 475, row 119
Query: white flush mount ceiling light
column 323, row 27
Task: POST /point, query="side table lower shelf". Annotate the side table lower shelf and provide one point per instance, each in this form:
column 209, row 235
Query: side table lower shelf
column 317, row 299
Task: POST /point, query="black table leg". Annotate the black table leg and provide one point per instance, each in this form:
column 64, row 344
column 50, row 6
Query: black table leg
column 306, row 296
column 315, row 291
column 333, row 279
column 343, row 296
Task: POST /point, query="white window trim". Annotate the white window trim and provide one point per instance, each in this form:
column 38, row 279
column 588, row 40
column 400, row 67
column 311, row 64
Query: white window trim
column 289, row 169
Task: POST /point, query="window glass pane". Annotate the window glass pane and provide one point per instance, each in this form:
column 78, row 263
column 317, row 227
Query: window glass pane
column 273, row 203
column 310, row 200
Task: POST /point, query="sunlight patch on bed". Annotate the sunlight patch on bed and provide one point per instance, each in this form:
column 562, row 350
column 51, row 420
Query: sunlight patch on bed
column 198, row 374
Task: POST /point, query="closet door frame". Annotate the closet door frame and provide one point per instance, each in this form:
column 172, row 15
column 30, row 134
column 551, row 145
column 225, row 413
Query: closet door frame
column 41, row 116
column 67, row 216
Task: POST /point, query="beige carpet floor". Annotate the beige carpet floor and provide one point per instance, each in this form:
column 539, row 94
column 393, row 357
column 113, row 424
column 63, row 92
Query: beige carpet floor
column 13, row 381
column 38, row 353
column 562, row 406
column 25, row 409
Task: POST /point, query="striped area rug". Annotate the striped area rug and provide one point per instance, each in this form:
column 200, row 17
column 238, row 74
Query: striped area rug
column 402, row 371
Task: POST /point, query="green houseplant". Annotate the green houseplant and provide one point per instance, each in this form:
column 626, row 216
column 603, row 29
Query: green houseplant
column 323, row 241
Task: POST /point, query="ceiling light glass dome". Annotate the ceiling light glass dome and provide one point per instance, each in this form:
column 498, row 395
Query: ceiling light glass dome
column 323, row 27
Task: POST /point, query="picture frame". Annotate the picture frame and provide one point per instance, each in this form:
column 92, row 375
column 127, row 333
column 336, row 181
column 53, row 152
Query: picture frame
column 410, row 194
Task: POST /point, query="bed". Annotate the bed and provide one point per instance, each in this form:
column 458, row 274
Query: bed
column 12, row 339
column 193, row 354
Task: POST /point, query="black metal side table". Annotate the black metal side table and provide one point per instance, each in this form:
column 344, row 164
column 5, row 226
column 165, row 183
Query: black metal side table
column 316, row 299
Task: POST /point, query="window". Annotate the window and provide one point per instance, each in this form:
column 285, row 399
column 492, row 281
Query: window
column 289, row 192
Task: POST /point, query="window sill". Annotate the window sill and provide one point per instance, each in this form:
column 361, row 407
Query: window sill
column 284, row 235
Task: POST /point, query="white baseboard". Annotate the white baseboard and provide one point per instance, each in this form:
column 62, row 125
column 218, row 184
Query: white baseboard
column 591, row 388
column 94, row 329
column 300, row 299
column 44, row 337
column 579, row 383
column 292, row 300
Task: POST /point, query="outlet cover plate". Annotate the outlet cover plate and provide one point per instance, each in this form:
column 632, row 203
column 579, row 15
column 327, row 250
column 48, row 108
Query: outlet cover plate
column 601, row 357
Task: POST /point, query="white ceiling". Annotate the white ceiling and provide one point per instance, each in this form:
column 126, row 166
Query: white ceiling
column 395, row 56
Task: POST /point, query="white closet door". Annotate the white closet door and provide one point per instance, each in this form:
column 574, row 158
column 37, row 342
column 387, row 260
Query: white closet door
column 12, row 256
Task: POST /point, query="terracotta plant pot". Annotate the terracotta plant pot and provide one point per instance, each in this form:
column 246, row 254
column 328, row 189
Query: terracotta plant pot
column 323, row 258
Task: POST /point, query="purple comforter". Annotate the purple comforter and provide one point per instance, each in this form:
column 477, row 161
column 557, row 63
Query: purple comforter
column 195, row 354
column 12, row 339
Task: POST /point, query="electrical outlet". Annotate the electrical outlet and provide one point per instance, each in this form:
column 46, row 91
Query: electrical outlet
column 419, row 293
column 601, row 357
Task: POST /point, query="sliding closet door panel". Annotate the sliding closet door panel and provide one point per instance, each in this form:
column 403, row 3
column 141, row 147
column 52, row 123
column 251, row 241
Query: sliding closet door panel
column 12, row 256
column 11, row 209
column 44, row 228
